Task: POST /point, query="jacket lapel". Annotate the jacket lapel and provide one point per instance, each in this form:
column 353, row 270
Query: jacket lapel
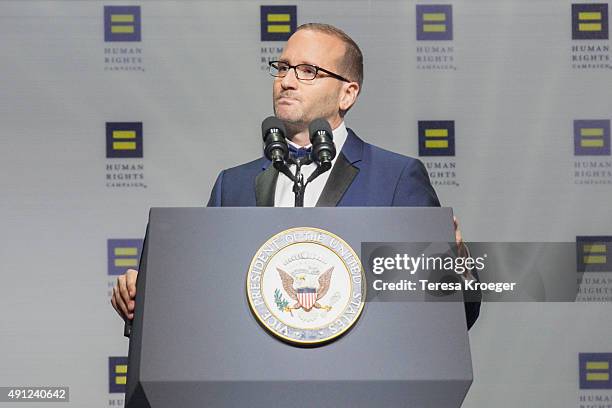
column 340, row 179
column 344, row 171
column 265, row 186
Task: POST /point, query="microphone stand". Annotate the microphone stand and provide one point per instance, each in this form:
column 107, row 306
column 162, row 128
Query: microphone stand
column 299, row 186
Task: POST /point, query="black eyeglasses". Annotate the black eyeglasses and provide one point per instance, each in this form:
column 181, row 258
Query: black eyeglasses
column 306, row 72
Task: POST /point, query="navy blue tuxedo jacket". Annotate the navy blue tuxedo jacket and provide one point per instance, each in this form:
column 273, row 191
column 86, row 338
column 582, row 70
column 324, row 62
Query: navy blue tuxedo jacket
column 363, row 175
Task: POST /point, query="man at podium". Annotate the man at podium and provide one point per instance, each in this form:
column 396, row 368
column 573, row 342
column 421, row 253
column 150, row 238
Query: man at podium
column 319, row 75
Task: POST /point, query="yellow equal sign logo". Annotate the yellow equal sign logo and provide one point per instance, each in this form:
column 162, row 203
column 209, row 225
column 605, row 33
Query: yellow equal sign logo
column 124, row 139
column 434, row 22
column 123, row 253
column 275, row 23
column 117, row 374
column 592, row 253
column 126, row 256
column 121, row 374
column 278, row 22
column 597, row 366
column 595, row 253
column 595, row 371
column 436, row 138
column 592, row 137
column 589, row 21
column 122, row 23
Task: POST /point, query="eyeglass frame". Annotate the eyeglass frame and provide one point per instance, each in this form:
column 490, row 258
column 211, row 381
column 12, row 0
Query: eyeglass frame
column 316, row 67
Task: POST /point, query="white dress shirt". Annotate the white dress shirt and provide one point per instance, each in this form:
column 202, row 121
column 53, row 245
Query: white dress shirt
column 284, row 196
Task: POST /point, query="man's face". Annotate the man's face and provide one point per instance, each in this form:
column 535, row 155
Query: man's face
column 298, row 102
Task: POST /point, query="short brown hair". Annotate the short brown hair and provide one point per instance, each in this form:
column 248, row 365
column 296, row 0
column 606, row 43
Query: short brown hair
column 352, row 63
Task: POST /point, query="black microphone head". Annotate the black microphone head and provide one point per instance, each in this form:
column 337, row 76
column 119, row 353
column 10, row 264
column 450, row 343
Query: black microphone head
column 272, row 124
column 318, row 125
column 273, row 133
column 322, row 139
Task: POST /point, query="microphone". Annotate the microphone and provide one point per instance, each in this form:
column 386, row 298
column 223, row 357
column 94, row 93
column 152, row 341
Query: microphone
column 323, row 148
column 322, row 139
column 275, row 146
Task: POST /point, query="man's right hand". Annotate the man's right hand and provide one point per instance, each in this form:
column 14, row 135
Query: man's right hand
column 124, row 294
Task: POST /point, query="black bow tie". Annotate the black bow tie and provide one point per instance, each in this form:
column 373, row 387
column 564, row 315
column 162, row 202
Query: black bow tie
column 299, row 153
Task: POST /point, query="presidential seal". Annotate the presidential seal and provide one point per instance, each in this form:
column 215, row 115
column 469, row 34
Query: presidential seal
column 306, row 286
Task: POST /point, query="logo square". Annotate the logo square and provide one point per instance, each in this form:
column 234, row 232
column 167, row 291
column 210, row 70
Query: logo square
column 123, row 254
column 117, row 374
column 595, row 371
column 593, row 253
column 124, row 140
column 278, row 23
column 434, row 22
column 122, row 23
column 590, row 21
column 592, row 137
column 436, row 138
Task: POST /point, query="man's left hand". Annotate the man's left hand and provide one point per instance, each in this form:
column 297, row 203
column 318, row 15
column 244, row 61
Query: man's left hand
column 462, row 250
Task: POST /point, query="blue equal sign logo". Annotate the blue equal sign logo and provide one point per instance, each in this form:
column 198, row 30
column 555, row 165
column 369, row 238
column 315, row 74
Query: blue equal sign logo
column 434, row 22
column 595, row 371
column 436, row 138
column 593, row 253
column 278, row 22
column 123, row 254
column 117, row 374
column 124, row 140
column 592, row 137
column 122, row 23
column 590, row 21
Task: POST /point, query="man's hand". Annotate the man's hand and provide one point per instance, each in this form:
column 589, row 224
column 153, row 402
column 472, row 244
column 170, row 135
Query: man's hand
column 462, row 250
column 124, row 294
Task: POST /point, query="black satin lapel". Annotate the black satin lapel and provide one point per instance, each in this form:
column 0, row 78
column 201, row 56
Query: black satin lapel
column 341, row 177
column 265, row 186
